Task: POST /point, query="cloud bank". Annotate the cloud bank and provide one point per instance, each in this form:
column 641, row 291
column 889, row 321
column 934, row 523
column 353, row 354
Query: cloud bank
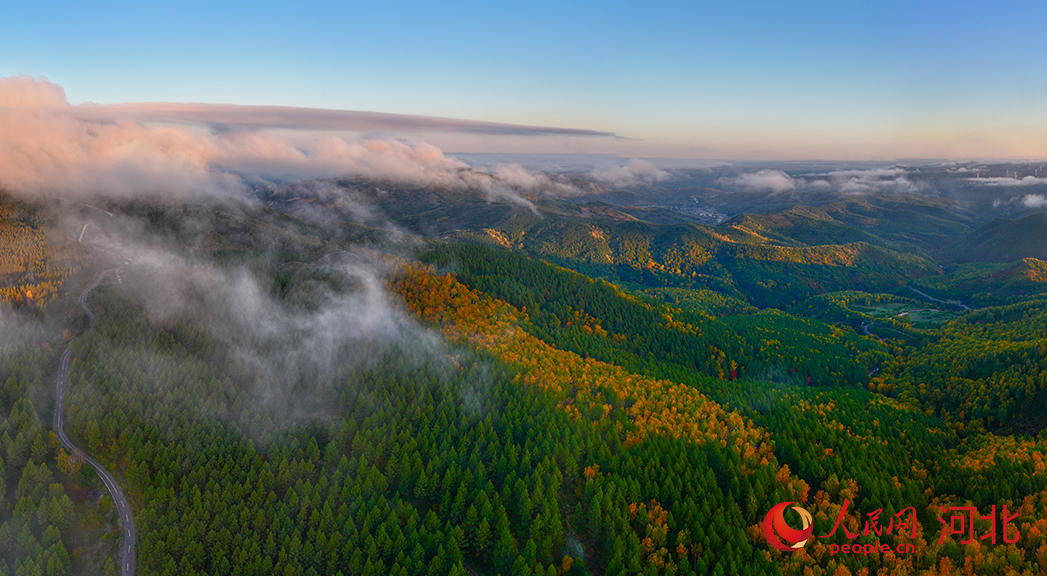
column 27, row 92
column 635, row 172
column 874, row 180
column 50, row 147
column 773, row 180
column 843, row 181
column 1006, row 181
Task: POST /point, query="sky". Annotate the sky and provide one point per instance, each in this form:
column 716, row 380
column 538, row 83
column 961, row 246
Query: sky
column 748, row 79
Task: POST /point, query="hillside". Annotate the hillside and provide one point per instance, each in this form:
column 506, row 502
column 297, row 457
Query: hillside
column 578, row 391
column 989, row 284
column 909, row 223
column 1005, row 241
column 35, row 259
column 735, row 259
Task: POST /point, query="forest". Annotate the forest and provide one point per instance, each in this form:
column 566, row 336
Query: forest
column 521, row 395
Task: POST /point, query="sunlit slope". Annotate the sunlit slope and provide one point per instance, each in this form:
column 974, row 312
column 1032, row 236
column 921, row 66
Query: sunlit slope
column 591, row 388
column 34, row 261
column 594, row 318
column 850, row 443
column 901, row 222
column 545, row 423
column 875, row 242
column 751, row 263
column 469, row 464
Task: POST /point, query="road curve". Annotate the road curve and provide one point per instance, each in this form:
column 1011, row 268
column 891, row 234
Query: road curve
column 127, row 523
column 933, row 299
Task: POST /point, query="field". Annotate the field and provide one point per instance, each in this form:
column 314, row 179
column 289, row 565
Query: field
column 920, row 318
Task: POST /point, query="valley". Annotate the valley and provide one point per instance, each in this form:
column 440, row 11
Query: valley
column 378, row 378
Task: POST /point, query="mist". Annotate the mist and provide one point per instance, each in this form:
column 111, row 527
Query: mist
column 155, row 202
column 289, row 344
column 18, row 329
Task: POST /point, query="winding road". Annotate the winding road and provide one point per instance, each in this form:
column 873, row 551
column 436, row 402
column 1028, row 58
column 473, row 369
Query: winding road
column 933, row 299
column 127, row 523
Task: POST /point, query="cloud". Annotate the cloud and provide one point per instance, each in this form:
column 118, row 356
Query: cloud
column 842, row 181
column 289, row 347
column 325, row 202
column 870, row 174
column 24, row 91
column 239, row 311
column 635, row 172
column 1034, row 201
column 517, row 176
column 774, row 180
column 874, row 180
column 1002, row 181
column 50, row 147
column 227, row 117
column 1027, row 201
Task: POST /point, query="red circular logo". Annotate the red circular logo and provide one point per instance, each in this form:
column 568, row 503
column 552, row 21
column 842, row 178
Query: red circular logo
column 781, row 535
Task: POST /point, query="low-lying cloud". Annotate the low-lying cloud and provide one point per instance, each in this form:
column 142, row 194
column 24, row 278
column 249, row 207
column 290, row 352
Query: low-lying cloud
column 270, row 339
column 339, row 315
column 50, row 147
column 1007, row 181
column 773, row 180
column 1034, row 201
column 635, row 172
column 874, row 180
column 842, row 181
column 17, row 329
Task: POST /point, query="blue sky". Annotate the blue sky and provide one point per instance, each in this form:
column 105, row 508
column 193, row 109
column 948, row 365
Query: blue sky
column 744, row 79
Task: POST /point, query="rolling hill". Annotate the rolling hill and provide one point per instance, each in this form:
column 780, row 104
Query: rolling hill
column 1005, row 241
column 369, row 379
